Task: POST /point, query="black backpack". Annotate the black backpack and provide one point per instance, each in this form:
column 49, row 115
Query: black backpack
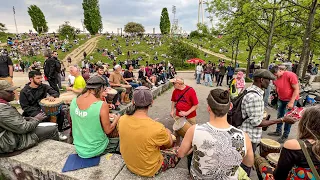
column 46, row 68
column 235, row 114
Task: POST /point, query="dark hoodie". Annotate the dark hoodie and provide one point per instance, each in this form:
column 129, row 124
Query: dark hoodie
column 30, row 98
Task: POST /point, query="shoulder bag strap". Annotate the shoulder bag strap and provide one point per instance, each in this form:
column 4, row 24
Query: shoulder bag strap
column 182, row 95
column 310, row 163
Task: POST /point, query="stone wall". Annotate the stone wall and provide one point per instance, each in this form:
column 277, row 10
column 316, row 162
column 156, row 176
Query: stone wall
column 46, row 160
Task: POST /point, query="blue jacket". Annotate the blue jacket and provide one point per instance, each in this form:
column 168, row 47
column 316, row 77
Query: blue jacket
column 230, row 71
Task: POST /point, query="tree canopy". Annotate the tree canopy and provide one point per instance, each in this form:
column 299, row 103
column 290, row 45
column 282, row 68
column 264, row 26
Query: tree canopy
column 180, row 52
column 38, row 19
column 92, row 17
column 2, row 27
column 134, row 28
column 165, row 22
column 67, row 31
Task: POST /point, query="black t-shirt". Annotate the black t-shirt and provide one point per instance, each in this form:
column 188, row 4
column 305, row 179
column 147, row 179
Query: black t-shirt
column 290, row 158
column 128, row 74
column 141, row 75
column 5, row 61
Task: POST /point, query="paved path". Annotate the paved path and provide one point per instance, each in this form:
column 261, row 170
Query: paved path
column 77, row 54
column 162, row 106
column 222, row 56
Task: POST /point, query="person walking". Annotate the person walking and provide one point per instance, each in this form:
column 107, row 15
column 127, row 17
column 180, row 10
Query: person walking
column 208, row 75
column 52, row 70
column 287, row 87
column 222, row 72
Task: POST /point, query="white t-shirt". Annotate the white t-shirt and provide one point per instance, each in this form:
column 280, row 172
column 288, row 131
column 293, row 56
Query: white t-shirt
column 71, row 79
column 199, row 69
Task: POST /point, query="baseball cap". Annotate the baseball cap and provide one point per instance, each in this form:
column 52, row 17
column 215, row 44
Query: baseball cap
column 142, row 96
column 177, row 80
column 263, row 73
column 6, row 86
column 95, row 82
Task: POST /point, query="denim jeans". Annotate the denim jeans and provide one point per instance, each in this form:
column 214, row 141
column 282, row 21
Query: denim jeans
column 134, row 85
column 198, row 78
column 266, row 96
column 208, row 80
column 282, row 110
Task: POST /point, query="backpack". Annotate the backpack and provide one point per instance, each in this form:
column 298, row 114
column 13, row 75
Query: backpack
column 234, row 116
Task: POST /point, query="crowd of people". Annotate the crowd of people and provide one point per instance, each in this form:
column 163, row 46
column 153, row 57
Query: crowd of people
column 216, row 149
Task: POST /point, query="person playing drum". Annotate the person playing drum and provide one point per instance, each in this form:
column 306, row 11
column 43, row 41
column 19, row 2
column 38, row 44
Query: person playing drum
column 79, row 83
column 184, row 101
column 218, row 148
column 33, row 93
column 116, row 79
column 142, row 137
column 90, row 121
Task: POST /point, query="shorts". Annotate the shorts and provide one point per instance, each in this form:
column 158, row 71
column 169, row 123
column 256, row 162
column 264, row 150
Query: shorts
column 192, row 120
column 120, row 90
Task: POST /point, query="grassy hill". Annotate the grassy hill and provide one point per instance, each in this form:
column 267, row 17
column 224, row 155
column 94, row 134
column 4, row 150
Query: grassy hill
column 146, row 51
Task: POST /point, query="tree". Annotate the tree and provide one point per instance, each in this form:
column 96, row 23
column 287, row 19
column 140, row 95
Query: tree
column 180, row 52
column 134, row 28
column 165, row 22
column 92, row 17
column 38, row 19
column 66, row 30
column 2, row 27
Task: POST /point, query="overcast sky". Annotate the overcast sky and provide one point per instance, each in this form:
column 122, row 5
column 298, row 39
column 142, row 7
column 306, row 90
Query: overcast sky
column 115, row 13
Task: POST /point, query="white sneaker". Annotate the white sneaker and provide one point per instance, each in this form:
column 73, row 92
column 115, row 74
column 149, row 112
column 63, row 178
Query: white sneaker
column 62, row 137
column 161, row 82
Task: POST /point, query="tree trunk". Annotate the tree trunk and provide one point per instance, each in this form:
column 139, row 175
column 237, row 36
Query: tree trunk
column 237, row 52
column 289, row 53
column 305, row 66
column 269, row 44
column 249, row 61
column 232, row 47
column 306, row 39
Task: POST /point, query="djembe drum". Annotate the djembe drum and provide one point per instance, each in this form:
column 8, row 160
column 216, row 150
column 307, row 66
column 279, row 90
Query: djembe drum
column 128, row 91
column 181, row 126
column 51, row 109
column 115, row 132
column 273, row 159
column 110, row 95
column 269, row 146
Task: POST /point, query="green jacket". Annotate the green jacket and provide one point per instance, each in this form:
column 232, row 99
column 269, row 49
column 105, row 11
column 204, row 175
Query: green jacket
column 16, row 132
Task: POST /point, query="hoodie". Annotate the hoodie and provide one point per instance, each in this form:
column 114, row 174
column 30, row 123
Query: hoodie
column 30, row 98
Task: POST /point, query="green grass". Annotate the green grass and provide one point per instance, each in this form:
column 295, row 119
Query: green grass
column 144, row 50
column 61, row 55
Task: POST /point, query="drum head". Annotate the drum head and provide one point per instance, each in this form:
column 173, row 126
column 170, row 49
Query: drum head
column 270, row 143
column 179, row 124
column 273, row 157
column 46, row 102
column 112, row 91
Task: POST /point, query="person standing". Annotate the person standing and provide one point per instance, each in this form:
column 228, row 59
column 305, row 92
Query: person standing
column 230, row 73
column 52, row 70
column 222, row 72
column 287, row 87
column 208, row 75
column 252, row 108
column 184, row 101
column 22, row 66
column 199, row 71
column 6, row 71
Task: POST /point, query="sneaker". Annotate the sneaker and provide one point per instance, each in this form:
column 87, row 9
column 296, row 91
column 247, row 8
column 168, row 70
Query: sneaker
column 275, row 134
column 282, row 139
column 62, row 137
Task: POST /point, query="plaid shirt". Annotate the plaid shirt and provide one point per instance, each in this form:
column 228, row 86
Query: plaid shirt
column 252, row 108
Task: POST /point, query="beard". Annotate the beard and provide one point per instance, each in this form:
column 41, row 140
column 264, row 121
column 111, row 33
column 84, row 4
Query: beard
column 38, row 83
